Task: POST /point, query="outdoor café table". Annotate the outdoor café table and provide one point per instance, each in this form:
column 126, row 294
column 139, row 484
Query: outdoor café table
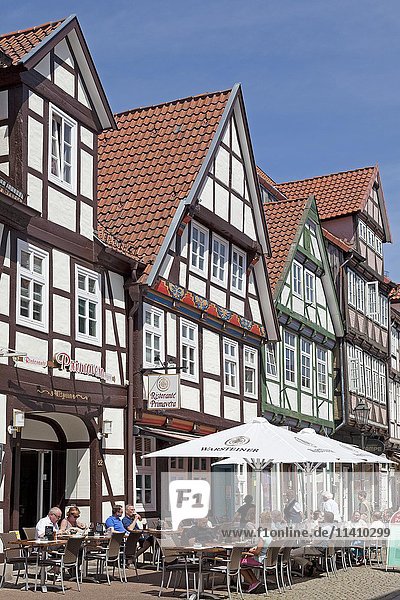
column 200, row 552
column 42, row 546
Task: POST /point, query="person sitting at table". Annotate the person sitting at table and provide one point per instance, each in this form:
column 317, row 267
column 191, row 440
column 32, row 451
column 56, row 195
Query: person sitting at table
column 133, row 521
column 278, row 522
column 255, row 556
column 321, row 541
column 51, row 520
column 71, row 523
column 241, row 514
column 357, row 545
column 114, row 521
column 199, row 533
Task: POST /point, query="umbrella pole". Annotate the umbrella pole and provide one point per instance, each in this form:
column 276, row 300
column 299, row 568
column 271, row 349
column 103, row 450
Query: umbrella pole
column 258, row 497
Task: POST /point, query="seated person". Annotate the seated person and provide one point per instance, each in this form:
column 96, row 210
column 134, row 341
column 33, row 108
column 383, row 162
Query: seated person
column 71, row 523
column 51, row 520
column 132, row 521
column 255, row 556
column 114, row 522
column 278, row 522
column 357, row 546
column 322, row 539
column 241, row 515
column 200, row 533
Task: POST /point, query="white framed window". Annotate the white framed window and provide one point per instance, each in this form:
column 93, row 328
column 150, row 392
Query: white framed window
column 368, row 375
column 370, row 238
column 360, row 293
column 270, row 359
column 375, row 379
column 383, row 313
column 290, row 357
column 219, row 261
column 351, row 288
column 309, row 287
column 382, row 382
column 32, row 286
column 189, row 351
column 322, row 371
column 62, row 149
column 297, row 279
column 231, row 365
column 362, row 230
column 306, row 363
column 88, row 305
column 378, row 246
column 145, row 488
column 359, row 359
column 153, row 336
column 395, row 348
column 238, row 275
column 250, row 365
column 372, row 300
column 352, row 368
column 199, row 249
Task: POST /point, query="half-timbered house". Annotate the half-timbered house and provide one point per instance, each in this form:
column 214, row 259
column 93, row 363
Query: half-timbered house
column 63, row 334
column 177, row 182
column 300, row 369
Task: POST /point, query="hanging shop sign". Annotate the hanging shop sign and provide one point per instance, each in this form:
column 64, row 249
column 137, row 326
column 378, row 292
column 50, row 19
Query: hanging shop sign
column 163, row 392
column 64, row 362
column 374, row 445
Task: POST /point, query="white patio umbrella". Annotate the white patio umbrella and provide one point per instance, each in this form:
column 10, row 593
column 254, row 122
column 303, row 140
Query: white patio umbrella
column 260, row 443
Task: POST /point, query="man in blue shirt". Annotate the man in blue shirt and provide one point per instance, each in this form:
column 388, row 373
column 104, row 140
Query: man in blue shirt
column 131, row 520
column 114, row 521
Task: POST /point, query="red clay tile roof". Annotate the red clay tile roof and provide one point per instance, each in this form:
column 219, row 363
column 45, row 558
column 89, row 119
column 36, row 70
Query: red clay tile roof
column 18, row 43
column 283, row 220
column 262, row 175
column 269, row 184
column 335, row 240
column 337, row 194
column 149, row 164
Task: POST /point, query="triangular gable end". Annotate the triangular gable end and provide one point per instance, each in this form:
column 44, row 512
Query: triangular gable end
column 71, row 49
column 375, row 204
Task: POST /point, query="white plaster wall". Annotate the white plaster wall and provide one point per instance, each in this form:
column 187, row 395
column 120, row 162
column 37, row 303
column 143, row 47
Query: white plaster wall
column 62, row 51
column 324, row 411
column 5, row 167
column 86, row 137
column 4, row 294
column 249, row 228
column 237, row 212
column 61, row 346
column 116, row 473
column 190, row 398
column 222, row 165
column 112, row 366
column 117, row 288
column 86, row 221
column 4, row 104
column 61, row 315
column 211, row 352
column 306, row 404
column 116, row 439
column 171, row 334
column 217, row 296
column 206, row 195
column 121, row 328
column 61, row 209
column 86, row 175
column 110, row 337
column 3, row 422
column 106, row 507
column 285, row 295
column 237, row 176
column 1, row 526
column 273, row 389
column 35, row 103
column 235, row 141
column 197, row 285
column 35, row 144
column 64, row 79
column 35, row 187
column 77, row 484
column 4, row 340
column 87, row 356
column 43, row 67
column 212, row 397
column 252, row 287
column 34, row 347
column 255, row 310
column 298, row 305
column 322, row 316
column 7, row 260
column 82, row 97
column 3, row 140
column 166, row 266
column 226, row 138
column 182, row 275
column 237, row 305
column 184, row 242
column 232, row 408
column 249, row 411
column 61, row 270
column 221, row 202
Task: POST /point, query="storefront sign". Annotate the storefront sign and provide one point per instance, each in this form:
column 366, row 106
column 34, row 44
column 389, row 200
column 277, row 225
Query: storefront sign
column 163, row 392
column 375, row 446
column 31, row 360
column 64, row 362
column 62, row 394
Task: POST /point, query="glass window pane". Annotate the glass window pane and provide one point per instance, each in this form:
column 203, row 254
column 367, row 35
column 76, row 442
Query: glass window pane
column 92, row 285
column 92, row 310
column 67, row 133
column 37, row 312
column 37, row 264
column 156, row 320
column 148, row 317
column 37, row 292
column 92, row 328
column 25, row 260
column 82, row 325
column 24, row 308
column 25, row 283
column 82, row 306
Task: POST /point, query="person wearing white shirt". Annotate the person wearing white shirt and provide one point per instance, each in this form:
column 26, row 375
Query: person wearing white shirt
column 328, row 504
column 51, row 520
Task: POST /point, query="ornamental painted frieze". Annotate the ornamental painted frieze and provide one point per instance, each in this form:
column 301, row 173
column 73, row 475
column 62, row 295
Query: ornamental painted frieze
column 177, row 292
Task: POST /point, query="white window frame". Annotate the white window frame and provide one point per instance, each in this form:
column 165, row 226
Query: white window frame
column 215, row 278
column 290, row 350
column 378, row 246
column 253, row 366
column 375, row 379
column 352, row 368
column 372, row 297
column 351, row 288
column 234, row 286
column 371, row 238
column 309, row 287
column 297, row 279
column 383, row 310
column 197, row 254
column 368, row 375
column 190, row 344
column 360, row 294
column 59, row 180
column 231, row 365
column 382, row 382
column 39, row 278
column 359, row 358
column 362, row 230
column 270, row 360
column 306, row 357
column 94, row 298
column 322, row 369
column 153, row 331
column 147, row 468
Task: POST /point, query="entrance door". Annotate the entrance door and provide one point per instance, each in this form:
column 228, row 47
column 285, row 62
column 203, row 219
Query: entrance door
column 35, row 486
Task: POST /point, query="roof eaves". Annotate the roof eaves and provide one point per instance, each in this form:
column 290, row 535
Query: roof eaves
column 46, row 40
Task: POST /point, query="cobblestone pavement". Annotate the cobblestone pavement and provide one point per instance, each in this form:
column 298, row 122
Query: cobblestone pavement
column 362, row 583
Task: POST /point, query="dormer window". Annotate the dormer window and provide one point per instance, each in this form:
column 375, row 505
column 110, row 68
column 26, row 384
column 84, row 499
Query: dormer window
column 62, row 149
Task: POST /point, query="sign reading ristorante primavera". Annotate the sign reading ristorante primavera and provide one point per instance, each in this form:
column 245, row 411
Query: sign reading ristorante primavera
column 63, row 361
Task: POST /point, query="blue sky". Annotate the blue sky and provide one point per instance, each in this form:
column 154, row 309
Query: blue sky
column 320, row 79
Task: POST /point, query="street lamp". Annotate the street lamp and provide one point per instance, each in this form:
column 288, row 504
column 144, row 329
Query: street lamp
column 361, row 413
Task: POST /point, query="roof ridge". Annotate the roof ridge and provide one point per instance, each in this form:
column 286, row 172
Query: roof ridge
column 327, row 175
column 34, row 28
column 266, row 175
column 289, row 200
column 176, row 100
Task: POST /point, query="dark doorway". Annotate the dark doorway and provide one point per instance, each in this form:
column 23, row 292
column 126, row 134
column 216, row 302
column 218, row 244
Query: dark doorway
column 35, row 486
